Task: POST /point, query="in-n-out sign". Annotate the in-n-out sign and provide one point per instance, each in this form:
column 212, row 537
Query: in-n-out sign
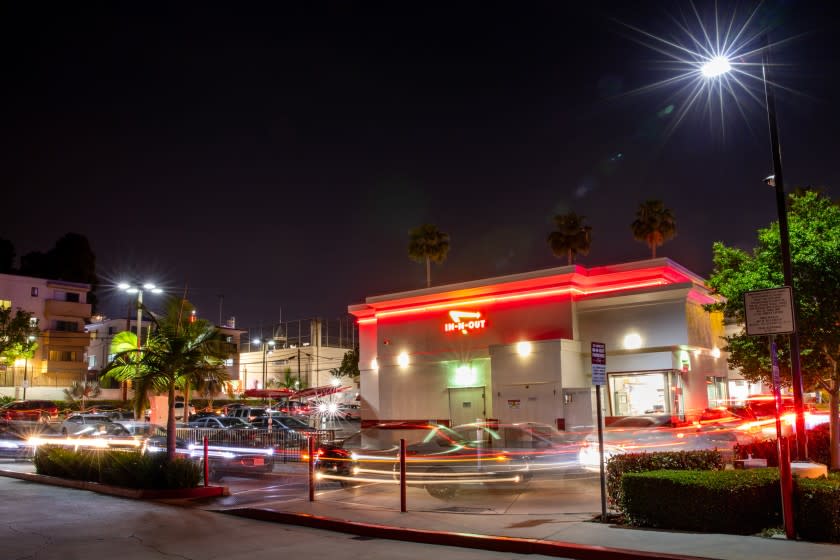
column 464, row 322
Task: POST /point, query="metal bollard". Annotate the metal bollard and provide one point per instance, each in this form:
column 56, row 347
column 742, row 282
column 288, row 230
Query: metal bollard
column 402, row 476
column 311, row 469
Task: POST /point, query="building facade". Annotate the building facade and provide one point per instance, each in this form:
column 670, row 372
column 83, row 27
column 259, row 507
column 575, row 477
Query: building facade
column 61, row 310
column 517, row 348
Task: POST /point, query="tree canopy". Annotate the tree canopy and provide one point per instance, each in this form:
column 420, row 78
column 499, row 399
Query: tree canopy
column 571, row 238
column 18, row 334
column 814, row 224
column 654, row 224
column 428, row 244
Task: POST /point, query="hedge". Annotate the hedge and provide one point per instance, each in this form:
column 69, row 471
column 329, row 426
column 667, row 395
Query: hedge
column 617, row 465
column 817, row 508
column 818, row 448
column 129, row 469
column 741, row 502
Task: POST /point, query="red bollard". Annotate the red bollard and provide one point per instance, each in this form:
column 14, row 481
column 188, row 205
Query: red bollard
column 311, row 469
column 402, row 475
column 206, row 464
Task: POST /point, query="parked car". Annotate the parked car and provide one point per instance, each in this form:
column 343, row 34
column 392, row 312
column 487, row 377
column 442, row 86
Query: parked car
column 437, row 458
column 221, row 423
column 15, row 445
column 29, row 411
column 82, row 423
column 277, row 421
column 248, row 413
column 179, row 411
column 293, row 408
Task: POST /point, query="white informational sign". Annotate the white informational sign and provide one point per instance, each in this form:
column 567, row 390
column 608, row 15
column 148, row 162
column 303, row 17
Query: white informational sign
column 599, row 363
column 769, row 311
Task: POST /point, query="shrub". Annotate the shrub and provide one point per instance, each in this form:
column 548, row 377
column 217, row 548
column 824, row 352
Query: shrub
column 818, row 448
column 642, row 462
column 741, row 502
column 130, row 469
column 817, row 508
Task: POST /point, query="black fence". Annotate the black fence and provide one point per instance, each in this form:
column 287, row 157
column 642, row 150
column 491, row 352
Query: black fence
column 288, row 446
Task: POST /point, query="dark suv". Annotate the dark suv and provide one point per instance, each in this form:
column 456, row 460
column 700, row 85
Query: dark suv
column 31, row 411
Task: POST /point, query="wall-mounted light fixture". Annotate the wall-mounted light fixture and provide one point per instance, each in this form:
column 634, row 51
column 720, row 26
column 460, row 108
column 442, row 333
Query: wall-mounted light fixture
column 374, row 364
column 524, row 348
column 465, row 375
column 716, row 352
column 402, row 359
column 632, row 341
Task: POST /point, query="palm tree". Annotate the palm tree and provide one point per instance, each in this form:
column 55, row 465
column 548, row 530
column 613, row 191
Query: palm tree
column 572, row 237
column 428, row 244
column 654, row 224
column 82, row 390
column 178, row 351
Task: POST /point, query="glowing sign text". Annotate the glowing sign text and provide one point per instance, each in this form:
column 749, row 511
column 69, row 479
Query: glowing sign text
column 464, row 321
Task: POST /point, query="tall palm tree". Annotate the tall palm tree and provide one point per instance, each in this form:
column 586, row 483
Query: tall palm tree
column 654, row 224
column 428, row 244
column 178, row 351
column 572, row 237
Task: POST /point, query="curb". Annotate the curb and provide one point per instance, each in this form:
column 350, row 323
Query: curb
column 119, row 491
column 464, row 540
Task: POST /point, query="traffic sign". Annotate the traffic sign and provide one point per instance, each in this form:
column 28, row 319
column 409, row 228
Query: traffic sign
column 599, row 363
column 769, row 311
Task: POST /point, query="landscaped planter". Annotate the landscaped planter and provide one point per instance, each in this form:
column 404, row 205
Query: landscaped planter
column 136, row 493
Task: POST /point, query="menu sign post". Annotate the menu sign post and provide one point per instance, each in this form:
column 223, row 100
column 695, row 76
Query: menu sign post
column 599, row 377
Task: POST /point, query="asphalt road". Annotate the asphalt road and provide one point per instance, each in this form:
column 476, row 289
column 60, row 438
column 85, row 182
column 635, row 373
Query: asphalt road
column 46, row 522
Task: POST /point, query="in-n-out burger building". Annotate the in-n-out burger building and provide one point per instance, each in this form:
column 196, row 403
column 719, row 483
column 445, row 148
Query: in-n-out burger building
column 517, row 348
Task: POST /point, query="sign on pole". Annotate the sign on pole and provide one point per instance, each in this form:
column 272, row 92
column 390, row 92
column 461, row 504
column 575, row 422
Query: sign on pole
column 599, row 378
column 769, row 311
column 599, row 363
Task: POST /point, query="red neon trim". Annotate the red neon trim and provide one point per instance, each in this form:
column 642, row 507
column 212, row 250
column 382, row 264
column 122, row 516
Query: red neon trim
column 513, row 297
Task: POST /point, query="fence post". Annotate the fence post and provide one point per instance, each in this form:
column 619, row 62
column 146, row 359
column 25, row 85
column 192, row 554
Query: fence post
column 402, row 475
column 206, row 464
column 311, row 468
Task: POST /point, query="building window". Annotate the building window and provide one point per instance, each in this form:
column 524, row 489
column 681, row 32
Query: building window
column 228, row 339
column 71, row 296
column 229, row 362
column 33, row 291
column 63, row 356
column 91, row 362
column 5, row 303
column 111, row 357
column 67, row 326
column 33, row 321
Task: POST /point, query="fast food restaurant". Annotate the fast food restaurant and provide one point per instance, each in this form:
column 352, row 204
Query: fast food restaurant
column 517, row 348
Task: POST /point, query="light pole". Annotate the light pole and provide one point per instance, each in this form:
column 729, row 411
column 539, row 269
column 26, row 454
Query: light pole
column 138, row 289
column 715, row 67
column 265, row 342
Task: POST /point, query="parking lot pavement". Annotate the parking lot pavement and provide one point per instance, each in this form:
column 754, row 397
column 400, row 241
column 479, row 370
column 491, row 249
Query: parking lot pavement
column 51, row 523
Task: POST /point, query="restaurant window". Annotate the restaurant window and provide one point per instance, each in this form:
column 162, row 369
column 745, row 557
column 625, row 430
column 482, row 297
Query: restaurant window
column 636, row 394
column 33, row 291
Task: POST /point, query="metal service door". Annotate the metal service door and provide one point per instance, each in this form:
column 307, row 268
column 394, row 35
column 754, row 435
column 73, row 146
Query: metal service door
column 466, row 405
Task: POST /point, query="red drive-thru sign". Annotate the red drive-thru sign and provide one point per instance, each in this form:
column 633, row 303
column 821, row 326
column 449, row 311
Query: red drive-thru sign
column 464, row 322
column 599, row 363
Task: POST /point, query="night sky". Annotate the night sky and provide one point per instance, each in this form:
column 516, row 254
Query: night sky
column 278, row 155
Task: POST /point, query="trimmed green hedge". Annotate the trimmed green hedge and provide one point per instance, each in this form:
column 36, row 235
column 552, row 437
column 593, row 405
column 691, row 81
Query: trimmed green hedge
column 129, row 469
column 617, row 465
column 817, row 508
column 741, row 502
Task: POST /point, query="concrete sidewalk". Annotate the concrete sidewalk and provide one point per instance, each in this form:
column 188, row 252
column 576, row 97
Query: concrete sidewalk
column 573, row 538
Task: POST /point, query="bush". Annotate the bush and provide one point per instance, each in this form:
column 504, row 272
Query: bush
column 817, row 508
column 130, row 469
column 617, row 465
column 818, row 448
column 741, row 502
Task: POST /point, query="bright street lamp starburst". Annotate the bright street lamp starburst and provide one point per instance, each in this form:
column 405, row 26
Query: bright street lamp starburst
column 713, row 61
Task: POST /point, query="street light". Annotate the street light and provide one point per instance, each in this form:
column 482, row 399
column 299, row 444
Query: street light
column 713, row 68
column 138, row 289
column 266, row 342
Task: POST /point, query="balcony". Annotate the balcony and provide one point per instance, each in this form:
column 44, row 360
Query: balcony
column 59, row 308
